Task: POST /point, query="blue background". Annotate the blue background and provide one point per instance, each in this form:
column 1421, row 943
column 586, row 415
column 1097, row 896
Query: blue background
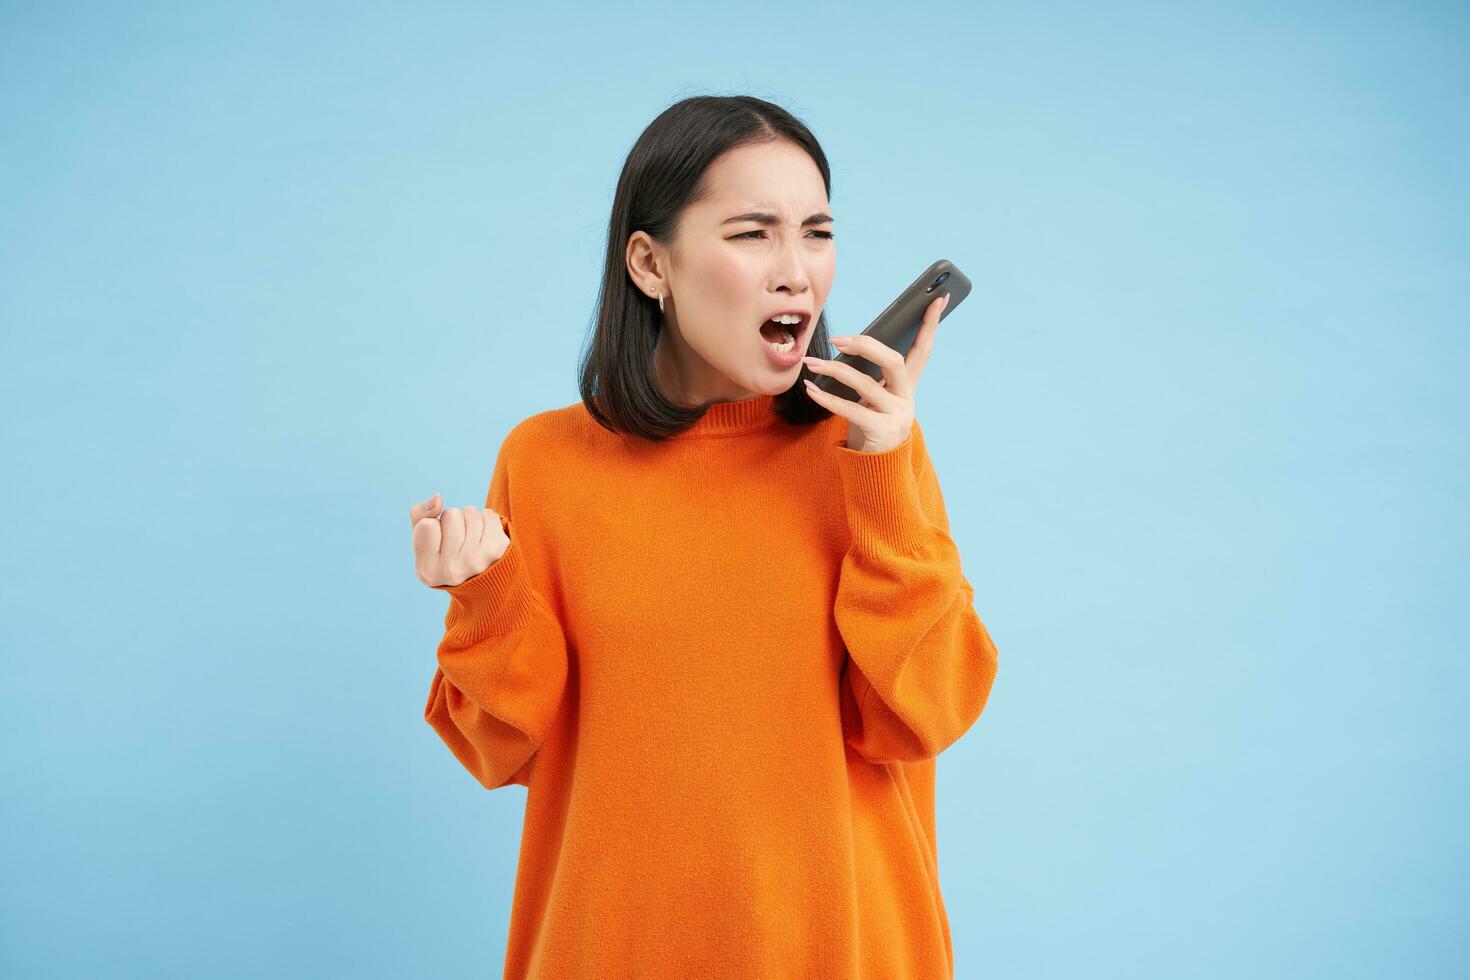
column 271, row 273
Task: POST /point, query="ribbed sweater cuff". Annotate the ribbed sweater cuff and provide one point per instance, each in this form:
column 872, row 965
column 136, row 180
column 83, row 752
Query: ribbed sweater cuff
column 494, row 602
column 884, row 512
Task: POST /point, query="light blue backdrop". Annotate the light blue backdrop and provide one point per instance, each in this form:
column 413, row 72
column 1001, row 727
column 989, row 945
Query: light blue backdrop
column 270, row 273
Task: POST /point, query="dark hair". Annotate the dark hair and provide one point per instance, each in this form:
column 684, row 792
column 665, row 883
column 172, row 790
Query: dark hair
column 662, row 175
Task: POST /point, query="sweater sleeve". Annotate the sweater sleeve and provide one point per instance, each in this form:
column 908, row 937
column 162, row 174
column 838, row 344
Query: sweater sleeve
column 920, row 663
column 502, row 662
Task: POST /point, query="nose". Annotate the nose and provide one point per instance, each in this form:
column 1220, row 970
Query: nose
column 790, row 270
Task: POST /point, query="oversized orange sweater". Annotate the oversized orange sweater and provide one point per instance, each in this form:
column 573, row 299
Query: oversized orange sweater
column 722, row 666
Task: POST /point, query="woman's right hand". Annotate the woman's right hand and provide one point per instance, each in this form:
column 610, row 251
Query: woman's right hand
column 454, row 545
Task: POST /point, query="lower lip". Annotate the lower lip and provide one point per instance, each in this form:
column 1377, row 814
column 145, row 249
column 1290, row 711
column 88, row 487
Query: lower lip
column 792, row 357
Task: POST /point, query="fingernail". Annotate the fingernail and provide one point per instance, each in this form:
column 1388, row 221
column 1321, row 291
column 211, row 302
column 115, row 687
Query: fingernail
column 839, row 341
column 430, row 501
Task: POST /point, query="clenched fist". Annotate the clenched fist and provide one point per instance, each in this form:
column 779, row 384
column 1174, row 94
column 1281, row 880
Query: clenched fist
column 455, row 545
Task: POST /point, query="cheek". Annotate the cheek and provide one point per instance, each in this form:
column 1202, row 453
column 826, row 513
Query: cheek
column 822, row 275
column 732, row 278
column 718, row 290
column 728, row 286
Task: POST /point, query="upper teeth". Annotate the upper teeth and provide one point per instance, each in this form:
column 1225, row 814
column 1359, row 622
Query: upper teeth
column 787, row 318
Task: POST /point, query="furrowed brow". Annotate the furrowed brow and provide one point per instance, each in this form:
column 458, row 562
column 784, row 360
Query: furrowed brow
column 766, row 218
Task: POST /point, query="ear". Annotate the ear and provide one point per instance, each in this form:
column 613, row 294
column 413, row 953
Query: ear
column 642, row 259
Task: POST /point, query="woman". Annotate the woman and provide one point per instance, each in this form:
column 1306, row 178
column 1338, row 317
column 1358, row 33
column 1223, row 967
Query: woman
column 712, row 619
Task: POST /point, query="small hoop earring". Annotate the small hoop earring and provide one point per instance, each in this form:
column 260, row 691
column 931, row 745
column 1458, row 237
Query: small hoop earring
column 660, row 302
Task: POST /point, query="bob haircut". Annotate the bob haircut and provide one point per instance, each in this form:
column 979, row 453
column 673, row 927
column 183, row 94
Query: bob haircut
column 662, row 175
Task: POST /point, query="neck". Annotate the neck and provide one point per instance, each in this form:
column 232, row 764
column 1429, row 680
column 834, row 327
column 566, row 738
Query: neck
column 686, row 378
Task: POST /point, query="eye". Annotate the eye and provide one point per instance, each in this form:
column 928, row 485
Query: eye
column 823, row 235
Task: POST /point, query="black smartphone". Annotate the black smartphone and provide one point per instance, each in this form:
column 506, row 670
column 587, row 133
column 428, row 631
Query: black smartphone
column 898, row 325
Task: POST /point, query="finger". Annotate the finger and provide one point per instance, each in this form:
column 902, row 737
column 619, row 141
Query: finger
column 474, row 527
column 426, row 540
column 452, row 521
column 837, row 405
column 866, row 386
column 428, row 508
column 918, row 354
column 885, row 406
column 890, row 360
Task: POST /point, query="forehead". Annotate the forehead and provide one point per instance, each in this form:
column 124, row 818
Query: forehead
column 776, row 177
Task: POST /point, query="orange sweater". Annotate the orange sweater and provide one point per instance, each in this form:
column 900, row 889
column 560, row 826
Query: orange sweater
column 722, row 666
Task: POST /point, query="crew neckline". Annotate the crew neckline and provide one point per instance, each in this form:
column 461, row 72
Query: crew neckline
column 733, row 418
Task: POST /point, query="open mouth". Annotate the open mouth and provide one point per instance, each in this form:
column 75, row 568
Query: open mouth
column 783, row 337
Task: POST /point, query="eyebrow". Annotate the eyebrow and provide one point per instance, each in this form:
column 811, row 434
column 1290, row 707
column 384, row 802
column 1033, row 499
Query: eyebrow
column 766, row 218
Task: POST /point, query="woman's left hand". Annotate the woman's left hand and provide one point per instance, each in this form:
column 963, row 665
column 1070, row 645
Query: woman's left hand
column 884, row 414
